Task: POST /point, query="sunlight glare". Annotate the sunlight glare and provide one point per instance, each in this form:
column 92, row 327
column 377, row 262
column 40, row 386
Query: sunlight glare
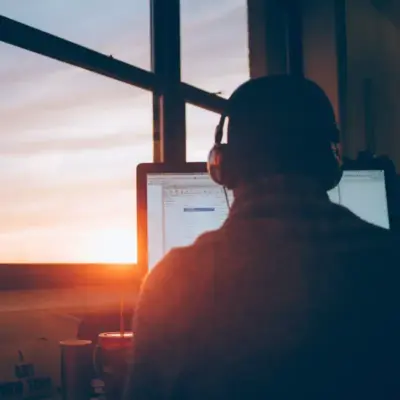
column 112, row 246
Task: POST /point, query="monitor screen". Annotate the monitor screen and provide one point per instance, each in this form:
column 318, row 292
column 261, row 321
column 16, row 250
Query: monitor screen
column 364, row 193
column 181, row 206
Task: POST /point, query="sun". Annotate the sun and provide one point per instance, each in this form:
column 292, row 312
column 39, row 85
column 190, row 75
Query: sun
column 112, row 246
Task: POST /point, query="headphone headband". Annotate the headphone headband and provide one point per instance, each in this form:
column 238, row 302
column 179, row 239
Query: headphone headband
column 219, row 130
column 220, row 165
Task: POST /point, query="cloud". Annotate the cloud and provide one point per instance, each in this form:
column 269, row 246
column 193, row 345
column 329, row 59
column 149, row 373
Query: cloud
column 67, row 209
column 107, row 142
column 203, row 62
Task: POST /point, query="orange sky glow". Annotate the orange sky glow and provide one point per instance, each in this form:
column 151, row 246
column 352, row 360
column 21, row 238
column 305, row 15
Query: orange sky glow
column 70, row 140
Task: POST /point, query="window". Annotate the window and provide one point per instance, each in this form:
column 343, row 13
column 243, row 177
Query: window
column 69, row 145
column 119, row 28
column 214, row 44
column 200, row 129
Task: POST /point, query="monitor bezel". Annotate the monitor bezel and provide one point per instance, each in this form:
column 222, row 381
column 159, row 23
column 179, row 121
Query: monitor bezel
column 142, row 171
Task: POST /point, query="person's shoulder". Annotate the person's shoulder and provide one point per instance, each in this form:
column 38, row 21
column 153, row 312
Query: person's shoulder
column 345, row 217
column 357, row 228
column 161, row 275
column 181, row 263
column 203, row 243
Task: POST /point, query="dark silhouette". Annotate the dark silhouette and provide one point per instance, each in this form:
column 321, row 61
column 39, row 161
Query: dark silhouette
column 294, row 296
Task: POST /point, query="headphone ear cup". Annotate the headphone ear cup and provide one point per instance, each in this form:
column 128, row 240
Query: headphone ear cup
column 216, row 164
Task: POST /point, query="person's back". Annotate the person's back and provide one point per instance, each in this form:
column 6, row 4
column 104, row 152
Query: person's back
column 292, row 297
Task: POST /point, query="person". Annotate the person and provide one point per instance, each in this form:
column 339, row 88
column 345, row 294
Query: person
column 294, row 296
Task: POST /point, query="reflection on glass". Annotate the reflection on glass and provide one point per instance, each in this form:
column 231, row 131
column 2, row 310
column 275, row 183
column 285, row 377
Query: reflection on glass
column 69, row 145
column 214, row 44
column 119, row 28
column 200, row 129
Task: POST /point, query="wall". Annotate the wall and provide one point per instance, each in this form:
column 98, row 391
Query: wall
column 373, row 52
column 324, row 52
column 346, row 44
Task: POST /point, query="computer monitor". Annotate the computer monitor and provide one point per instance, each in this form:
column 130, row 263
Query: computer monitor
column 364, row 193
column 176, row 205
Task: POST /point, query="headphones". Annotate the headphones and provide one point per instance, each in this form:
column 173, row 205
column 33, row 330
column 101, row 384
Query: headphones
column 216, row 157
column 328, row 169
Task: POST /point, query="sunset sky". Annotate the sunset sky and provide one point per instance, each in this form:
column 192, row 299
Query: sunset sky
column 70, row 140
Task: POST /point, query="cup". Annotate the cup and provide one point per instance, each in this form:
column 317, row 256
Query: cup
column 76, row 369
column 111, row 359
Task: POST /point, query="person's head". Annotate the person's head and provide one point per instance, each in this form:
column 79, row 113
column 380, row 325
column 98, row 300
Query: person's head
column 278, row 125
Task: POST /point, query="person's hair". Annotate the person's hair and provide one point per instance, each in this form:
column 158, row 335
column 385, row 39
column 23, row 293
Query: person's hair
column 280, row 124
